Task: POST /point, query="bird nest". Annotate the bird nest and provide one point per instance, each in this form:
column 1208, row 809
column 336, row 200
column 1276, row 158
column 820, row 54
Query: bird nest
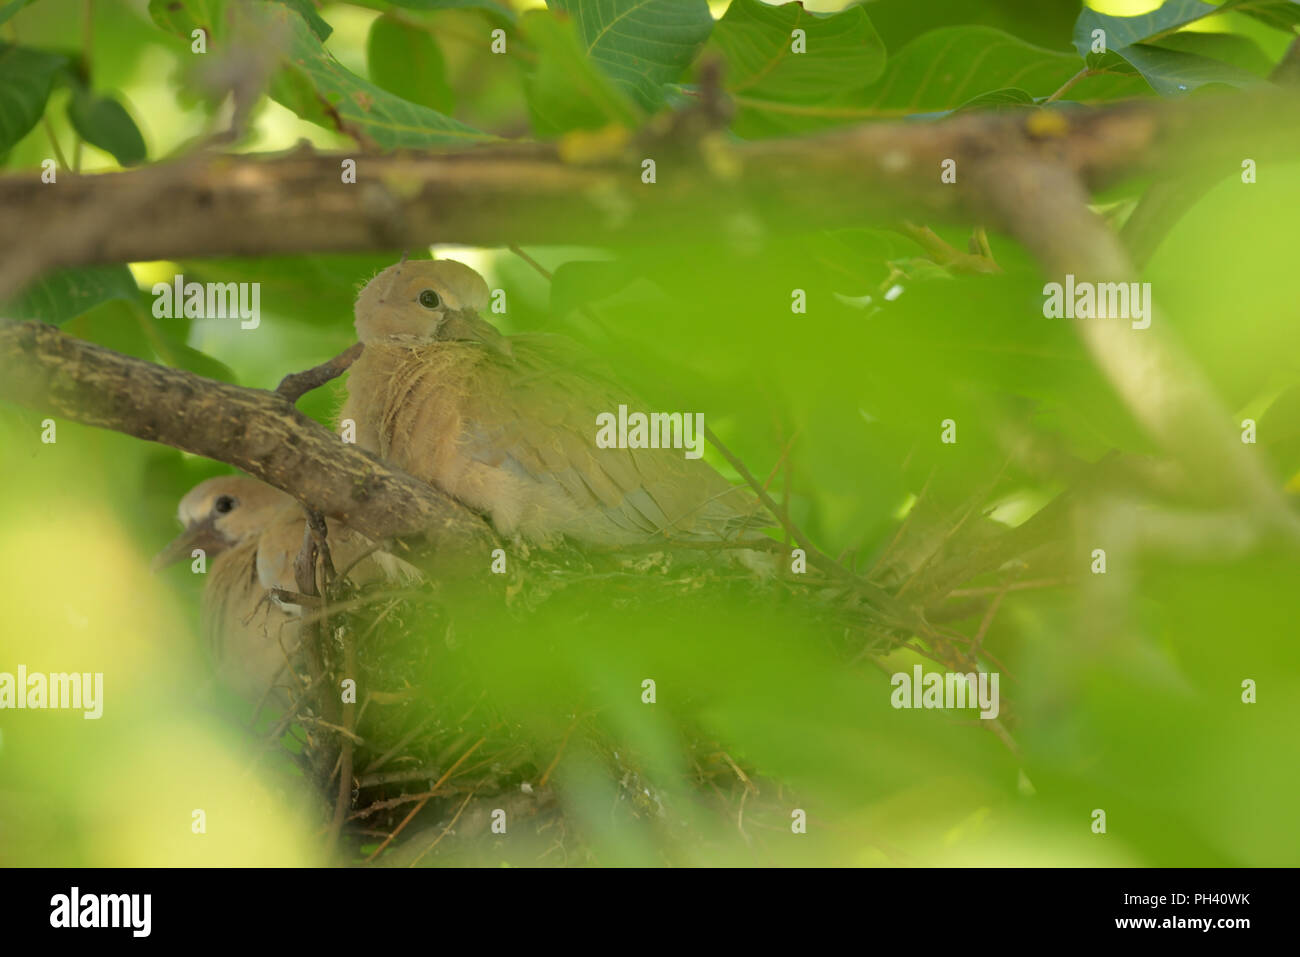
column 416, row 762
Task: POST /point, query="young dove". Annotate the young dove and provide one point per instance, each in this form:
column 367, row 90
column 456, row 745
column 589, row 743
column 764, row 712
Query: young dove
column 251, row 534
column 508, row 425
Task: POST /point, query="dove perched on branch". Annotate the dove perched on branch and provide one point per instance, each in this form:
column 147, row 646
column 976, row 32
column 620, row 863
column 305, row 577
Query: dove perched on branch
column 508, row 425
column 251, row 533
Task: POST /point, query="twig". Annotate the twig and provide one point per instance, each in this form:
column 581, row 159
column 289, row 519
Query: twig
column 874, row 594
column 344, row 800
column 424, row 799
column 445, row 830
column 297, row 384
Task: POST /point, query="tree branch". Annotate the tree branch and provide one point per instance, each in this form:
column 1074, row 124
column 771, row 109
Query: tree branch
column 255, row 430
column 1046, row 207
column 526, row 193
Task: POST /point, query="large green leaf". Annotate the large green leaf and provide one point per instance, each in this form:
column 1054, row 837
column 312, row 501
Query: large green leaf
column 842, row 52
column 1241, row 52
column 641, row 44
column 1173, row 16
column 1169, row 71
column 68, row 293
column 940, row 71
column 25, row 79
column 947, row 68
column 102, row 121
column 1144, row 28
column 1282, row 14
column 350, row 104
column 1045, row 23
column 404, row 59
column 566, row 91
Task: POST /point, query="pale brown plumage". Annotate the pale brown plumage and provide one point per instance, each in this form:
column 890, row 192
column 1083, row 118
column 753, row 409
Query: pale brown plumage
column 508, row 424
column 251, row 534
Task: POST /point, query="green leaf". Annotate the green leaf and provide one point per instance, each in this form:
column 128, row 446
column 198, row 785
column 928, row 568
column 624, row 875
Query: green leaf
column 307, row 11
column 405, row 60
column 1045, row 23
column 317, row 290
column 842, row 53
column 68, row 293
column 501, row 12
column 578, row 283
column 9, row 9
column 941, row 71
column 1173, row 16
column 640, row 44
column 26, row 77
column 167, row 339
column 1122, row 32
column 102, row 121
column 1241, row 52
column 1005, row 99
column 945, row 69
column 1171, row 72
column 349, row 104
column 1282, row 14
column 183, row 17
column 566, row 91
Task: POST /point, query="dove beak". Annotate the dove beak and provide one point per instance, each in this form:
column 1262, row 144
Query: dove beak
column 469, row 326
column 202, row 535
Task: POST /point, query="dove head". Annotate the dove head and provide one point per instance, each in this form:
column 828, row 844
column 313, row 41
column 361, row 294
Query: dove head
column 427, row 300
column 220, row 513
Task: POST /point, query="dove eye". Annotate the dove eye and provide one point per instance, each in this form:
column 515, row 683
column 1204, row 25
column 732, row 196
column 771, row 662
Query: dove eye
column 430, row 299
column 223, row 504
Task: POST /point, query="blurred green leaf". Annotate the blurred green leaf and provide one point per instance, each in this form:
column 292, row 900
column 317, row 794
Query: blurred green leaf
column 68, row 293
column 102, row 121
column 1282, row 14
column 26, row 77
column 183, row 17
column 640, row 44
column 1046, row 23
column 307, row 10
column 946, row 68
column 351, row 105
column 577, row 284
column 9, row 9
column 842, row 53
column 405, row 60
column 318, row 291
column 495, row 9
column 566, row 91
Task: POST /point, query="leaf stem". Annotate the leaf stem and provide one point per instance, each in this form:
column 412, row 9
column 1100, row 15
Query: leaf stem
column 1066, row 86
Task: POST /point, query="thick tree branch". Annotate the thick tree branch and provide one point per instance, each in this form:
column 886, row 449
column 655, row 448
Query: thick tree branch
column 210, row 205
column 254, row 430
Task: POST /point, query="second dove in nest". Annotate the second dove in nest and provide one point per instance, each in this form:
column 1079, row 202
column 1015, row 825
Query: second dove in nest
column 250, row 534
